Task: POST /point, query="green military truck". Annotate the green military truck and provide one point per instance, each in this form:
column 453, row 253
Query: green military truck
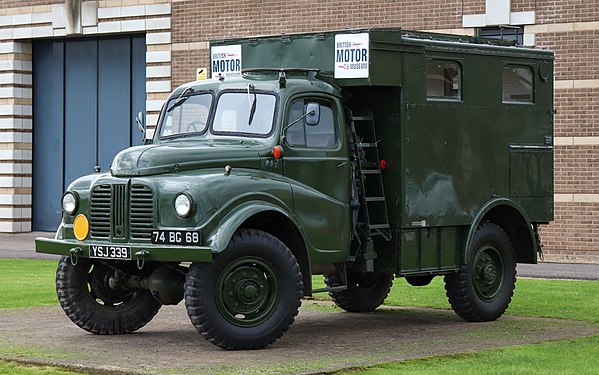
column 359, row 155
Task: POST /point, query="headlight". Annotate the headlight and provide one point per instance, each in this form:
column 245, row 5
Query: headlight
column 69, row 203
column 183, row 205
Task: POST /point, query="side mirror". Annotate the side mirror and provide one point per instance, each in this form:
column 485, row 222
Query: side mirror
column 139, row 119
column 312, row 114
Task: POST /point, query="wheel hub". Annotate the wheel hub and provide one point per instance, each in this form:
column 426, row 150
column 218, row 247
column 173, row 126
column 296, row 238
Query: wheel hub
column 487, row 273
column 490, row 273
column 248, row 291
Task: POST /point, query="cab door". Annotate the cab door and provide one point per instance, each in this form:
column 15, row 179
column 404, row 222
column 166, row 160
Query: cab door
column 317, row 163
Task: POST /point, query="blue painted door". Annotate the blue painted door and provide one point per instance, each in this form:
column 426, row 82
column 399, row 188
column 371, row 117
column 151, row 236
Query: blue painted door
column 87, row 93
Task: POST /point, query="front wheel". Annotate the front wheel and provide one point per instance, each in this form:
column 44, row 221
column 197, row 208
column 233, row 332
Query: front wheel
column 91, row 297
column 248, row 296
column 483, row 288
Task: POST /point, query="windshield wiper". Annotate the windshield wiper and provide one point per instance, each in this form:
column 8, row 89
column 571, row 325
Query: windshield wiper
column 180, row 100
column 253, row 105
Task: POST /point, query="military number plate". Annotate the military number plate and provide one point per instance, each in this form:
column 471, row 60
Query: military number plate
column 110, row 252
column 177, row 237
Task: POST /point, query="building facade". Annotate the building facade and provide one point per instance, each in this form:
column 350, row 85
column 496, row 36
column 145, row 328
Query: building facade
column 63, row 62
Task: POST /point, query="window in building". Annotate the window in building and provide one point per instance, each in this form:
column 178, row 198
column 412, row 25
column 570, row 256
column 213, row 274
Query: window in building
column 443, row 80
column 302, row 134
column 513, row 33
column 517, row 84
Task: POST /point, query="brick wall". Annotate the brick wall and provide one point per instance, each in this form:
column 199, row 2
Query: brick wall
column 576, row 53
column 577, row 112
column 194, row 21
column 562, row 11
column 473, row 7
column 251, row 17
column 577, row 169
column 575, row 231
column 186, row 63
column 523, row 5
column 6, row 4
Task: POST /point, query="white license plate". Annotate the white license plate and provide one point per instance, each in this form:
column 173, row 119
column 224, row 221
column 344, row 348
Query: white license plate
column 110, row 252
column 177, row 237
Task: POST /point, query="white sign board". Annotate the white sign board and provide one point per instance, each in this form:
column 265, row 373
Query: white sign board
column 225, row 61
column 352, row 54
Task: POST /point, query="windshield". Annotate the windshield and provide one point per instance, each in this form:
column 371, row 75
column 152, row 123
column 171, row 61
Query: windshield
column 245, row 113
column 187, row 114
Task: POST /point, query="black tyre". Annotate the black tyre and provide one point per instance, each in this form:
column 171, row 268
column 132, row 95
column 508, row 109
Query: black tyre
column 483, row 288
column 248, row 296
column 91, row 300
column 365, row 291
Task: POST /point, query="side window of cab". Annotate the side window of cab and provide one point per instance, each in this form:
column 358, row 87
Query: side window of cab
column 311, row 124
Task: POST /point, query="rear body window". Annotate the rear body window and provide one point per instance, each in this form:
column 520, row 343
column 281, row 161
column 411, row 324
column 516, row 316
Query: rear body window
column 517, row 84
column 443, row 80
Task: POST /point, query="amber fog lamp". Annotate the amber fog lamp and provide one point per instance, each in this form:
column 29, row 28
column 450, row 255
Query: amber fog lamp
column 81, row 227
column 69, row 203
column 183, row 205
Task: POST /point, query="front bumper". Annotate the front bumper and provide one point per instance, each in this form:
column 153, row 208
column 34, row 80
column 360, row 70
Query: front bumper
column 139, row 252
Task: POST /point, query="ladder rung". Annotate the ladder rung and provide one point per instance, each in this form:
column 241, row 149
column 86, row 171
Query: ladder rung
column 361, row 118
column 378, row 226
column 374, row 199
column 369, row 164
column 367, row 145
column 370, row 171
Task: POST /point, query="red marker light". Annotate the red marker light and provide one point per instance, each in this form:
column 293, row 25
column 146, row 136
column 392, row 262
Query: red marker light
column 277, row 152
column 383, row 164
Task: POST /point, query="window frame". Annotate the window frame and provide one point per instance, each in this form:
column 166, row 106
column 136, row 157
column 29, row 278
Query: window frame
column 450, row 99
column 532, row 88
column 243, row 134
column 305, row 99
column 163, row 113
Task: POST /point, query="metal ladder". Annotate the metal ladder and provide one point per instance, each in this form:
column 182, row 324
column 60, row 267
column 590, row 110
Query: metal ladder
column 372, row 219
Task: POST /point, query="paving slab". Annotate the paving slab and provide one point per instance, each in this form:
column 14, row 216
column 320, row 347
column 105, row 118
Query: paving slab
column 323, row 338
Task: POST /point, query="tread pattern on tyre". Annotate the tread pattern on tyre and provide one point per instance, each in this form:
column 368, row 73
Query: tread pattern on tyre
column 354, row 300
column 458, row 286
column 201, row 305
column 84, row 311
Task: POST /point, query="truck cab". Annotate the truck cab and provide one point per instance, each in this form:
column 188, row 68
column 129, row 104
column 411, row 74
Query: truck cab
column 361, row 156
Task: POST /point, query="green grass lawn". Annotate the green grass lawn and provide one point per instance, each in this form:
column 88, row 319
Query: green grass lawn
column 579, row 356
column 29, row 283
column 568, row 299
column 12, row 368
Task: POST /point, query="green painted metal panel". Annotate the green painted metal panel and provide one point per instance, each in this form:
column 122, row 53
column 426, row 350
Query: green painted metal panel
column 449, row 247
column 154, row 253
column 410, row 251
column 429, row 248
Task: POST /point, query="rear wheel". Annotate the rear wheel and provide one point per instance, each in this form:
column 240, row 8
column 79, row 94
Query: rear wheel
column 248, row 296
column 365, row 290
column 483, row 288
column 90, row 296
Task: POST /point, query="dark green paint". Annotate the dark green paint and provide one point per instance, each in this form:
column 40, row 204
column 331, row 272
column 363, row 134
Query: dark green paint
column 154, row 253
column 248, row 292
column 450, row 164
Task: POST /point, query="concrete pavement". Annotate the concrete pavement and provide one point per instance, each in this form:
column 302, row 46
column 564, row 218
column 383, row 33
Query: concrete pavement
column 21, row 245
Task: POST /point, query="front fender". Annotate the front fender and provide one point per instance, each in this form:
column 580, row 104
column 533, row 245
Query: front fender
column 220, row 238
